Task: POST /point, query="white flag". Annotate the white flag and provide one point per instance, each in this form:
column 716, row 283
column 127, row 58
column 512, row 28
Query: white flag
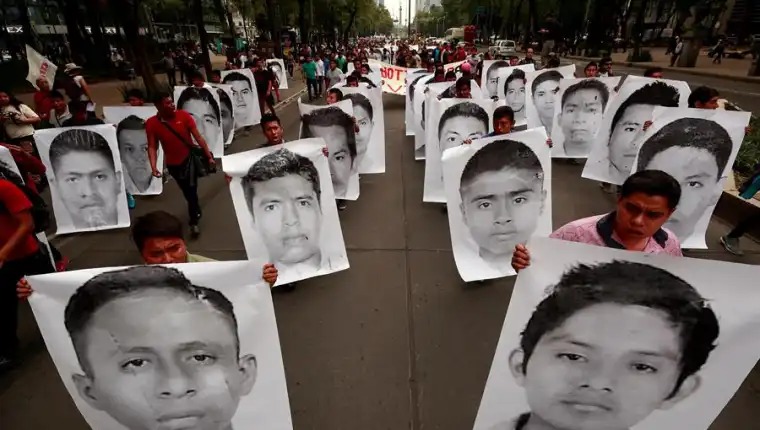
column 39, row 66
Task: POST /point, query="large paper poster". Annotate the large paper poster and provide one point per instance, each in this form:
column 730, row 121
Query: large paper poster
column 335, row 124
column 498, row 192
column 39, row 67
column 85, row 172
column 203, row 105
column 540, row 93
column 578, row 113
column 244, row 96
column 697, row 147
column 370, row 117
column 286, row 210
column 277, row 66
column 611, row 157
column 452, row 121
column 227, row 106
column 424, row 94
column 412, row 76
column 372, row 73
column 601, row 338
column 179, row 346
column 394, row 77
column 133, row 148
column 511, row 83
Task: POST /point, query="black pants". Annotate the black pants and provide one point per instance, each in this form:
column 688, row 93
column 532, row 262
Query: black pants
column 744, row 225
column 311, row 84
column 10, row 273
column 189, row 190
column 171, row 76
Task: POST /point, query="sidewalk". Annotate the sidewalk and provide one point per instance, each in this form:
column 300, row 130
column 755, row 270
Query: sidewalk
column 730, row 68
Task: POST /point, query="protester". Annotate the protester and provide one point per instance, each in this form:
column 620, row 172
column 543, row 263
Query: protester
column 605, row 67
column 503, row 121
column 334, row 75
column 528, row 57
column 704, row 98
column 646, row 201
column 272, row 129
column 20, row 255
column 591, row 70
column 42, row 101
column 59, row 113
column 309, row 69
column 175, row 130
column 264, row 78
column 320, row 74
column 160, row 239
column 77, row 88
column 18, row 122
column 653, row 72
column 168, row 63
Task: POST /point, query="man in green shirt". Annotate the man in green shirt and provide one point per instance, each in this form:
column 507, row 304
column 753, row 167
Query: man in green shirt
column 342, row 63
column 310, row 73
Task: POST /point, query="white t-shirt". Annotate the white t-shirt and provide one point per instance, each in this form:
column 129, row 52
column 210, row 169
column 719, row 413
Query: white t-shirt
column 13, row 130
column 320, row 68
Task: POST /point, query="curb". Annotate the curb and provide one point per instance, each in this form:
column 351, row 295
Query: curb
column 685, row 70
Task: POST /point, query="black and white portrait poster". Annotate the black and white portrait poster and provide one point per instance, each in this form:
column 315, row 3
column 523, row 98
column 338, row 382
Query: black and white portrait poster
column 511, row 87
column 494, row 82
column 452, row 121
column 424, row 94
column 611, row 157
column 601, row 338
column 244, row 96
column 8, row 164
column 541, row 89
column 370, row 117
column 373, row 72
column 179, row 346
column 277, row 66
column 578, row 112
column 498, row 192
column 412, row 77
column 697, row 147
column 286, row 210
column 335, row 124
column 85, row 172
column 204, row 106
column 227, row 105
column 133, row 148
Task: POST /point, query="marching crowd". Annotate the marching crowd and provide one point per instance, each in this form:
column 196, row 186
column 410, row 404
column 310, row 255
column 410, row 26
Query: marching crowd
column 645, row 201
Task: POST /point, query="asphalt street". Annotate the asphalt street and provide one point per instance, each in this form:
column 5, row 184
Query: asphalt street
column 398, row 341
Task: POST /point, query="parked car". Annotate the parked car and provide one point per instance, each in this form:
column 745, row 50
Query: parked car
column 503, row 48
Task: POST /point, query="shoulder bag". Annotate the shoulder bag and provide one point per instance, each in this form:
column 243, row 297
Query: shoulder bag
column 196, row 164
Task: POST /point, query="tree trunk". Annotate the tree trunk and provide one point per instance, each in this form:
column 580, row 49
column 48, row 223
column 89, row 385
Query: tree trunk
column 77, row 44
column 273, row 12
column 30, row 36
column 227, row 27
column 127, row 11
column 98, row 58
column 202, row 35
column 529, row 26
column 302, row 22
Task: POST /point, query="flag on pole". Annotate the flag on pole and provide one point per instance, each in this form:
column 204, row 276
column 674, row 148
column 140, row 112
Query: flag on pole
column 39, row 66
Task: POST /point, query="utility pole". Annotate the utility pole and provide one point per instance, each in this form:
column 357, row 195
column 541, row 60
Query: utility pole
column 409, row 20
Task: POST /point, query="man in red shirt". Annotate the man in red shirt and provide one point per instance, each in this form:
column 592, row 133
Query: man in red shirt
column 20, row 255
column 174, row 130
column 43, row 102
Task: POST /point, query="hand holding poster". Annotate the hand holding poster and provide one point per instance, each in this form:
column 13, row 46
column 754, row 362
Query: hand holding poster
column 286, row 210
column 601, row 338
column 191, row 345
column 498, row 191
column 39, row 67
column 697, row 147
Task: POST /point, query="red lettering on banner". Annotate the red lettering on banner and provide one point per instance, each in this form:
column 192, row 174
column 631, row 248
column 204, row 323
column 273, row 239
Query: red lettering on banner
column 43, row 69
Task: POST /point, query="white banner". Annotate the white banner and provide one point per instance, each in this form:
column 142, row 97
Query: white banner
column 39, row 67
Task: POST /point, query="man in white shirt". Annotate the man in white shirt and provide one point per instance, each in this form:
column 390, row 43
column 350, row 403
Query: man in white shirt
column 320, row 74
column 60, row 112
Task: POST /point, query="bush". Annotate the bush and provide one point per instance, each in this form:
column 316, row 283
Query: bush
column 163, row 87
column 644, row 56
column 749, row 154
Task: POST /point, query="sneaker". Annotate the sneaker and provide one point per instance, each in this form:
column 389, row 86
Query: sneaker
column 732, row 245
column 341, row 205
column 131, row 203
column 195, row 231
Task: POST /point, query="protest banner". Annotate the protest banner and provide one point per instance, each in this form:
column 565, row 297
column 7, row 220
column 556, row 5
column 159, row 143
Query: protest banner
column 39, row 67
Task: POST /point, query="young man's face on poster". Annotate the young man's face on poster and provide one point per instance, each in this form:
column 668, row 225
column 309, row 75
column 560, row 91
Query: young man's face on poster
column 242, row 97
column 697, row 172
column 287, row 213
column 608, row 366
column 89, row 188
column 581, row 116
column 459, row 128
column 133, row 148
column 502, row 208
column 177, row 369
column 339, row 158
column 516, row 94
column 543, row 99
column 622, row 148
